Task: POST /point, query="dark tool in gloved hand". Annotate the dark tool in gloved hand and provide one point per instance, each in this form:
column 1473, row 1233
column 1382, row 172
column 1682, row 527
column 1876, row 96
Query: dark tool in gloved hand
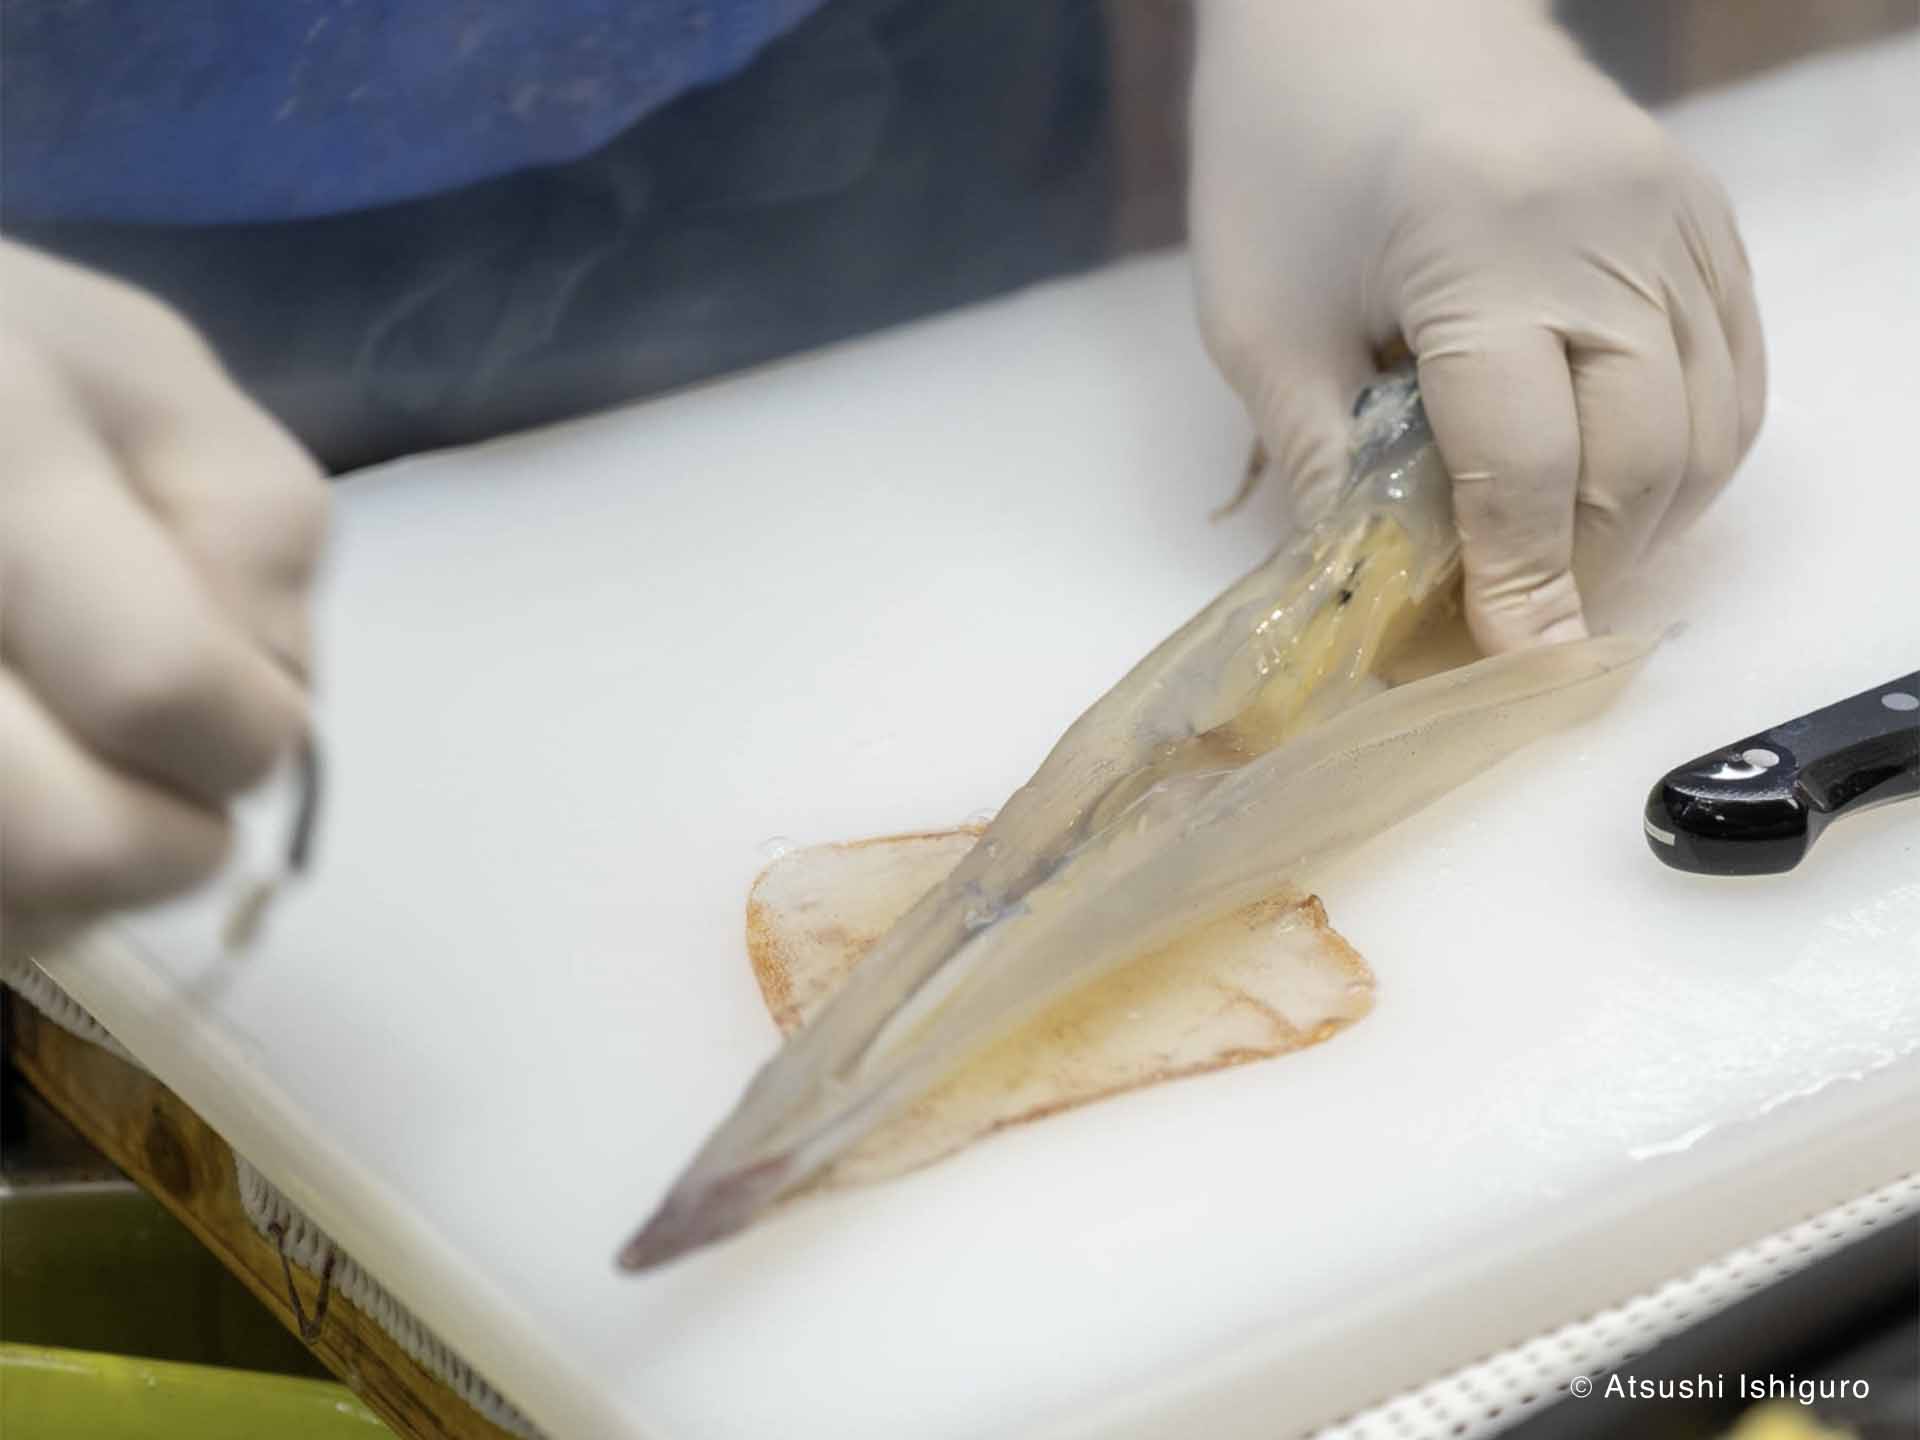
column 1755, row 807
column 249, row 912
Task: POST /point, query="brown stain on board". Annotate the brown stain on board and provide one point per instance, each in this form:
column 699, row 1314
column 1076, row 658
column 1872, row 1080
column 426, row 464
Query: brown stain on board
column 798, row 956
column 1266, row 980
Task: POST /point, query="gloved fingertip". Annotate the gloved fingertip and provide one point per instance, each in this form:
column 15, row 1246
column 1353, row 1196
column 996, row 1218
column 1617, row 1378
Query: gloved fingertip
column 1511, row 617
column 1573, row 627
column 1303, row 414
column 1314, row 494
column 1314, row 466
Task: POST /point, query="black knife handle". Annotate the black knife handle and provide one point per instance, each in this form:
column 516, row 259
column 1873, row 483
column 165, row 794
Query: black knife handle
column 1755, row 807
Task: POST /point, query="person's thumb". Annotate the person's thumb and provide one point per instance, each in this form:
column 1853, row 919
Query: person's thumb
column 1303, row 408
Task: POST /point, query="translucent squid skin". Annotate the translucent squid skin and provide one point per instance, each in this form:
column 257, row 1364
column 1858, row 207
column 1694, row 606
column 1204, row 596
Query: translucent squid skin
column 1252, row 742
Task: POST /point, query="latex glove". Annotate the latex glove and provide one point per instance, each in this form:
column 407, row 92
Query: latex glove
column 159, row 535
column 1573, row 288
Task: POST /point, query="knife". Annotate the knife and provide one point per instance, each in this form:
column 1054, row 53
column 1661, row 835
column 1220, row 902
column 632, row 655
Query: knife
column 1755, row 807
column 248, row 912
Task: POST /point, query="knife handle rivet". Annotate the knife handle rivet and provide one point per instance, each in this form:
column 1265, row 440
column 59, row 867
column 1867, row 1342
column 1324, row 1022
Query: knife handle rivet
column 1900, row 700
column 1760, row 759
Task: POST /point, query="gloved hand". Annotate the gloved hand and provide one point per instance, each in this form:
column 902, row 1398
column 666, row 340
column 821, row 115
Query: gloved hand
column 159, row 535
column 1573, row 288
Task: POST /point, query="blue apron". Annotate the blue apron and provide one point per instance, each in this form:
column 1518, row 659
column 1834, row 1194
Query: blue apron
column 409, row 225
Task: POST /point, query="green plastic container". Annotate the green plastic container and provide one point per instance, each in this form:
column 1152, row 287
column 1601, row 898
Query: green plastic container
column 101, row 1267
column 48, row 1394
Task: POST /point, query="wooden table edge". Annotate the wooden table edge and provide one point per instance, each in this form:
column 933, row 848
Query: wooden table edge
column 174, row 1155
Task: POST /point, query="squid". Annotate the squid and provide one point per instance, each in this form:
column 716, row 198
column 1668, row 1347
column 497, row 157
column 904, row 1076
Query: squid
column 1260, row 738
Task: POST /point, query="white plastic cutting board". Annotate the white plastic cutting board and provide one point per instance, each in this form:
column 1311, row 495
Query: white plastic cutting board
column 575, row 681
